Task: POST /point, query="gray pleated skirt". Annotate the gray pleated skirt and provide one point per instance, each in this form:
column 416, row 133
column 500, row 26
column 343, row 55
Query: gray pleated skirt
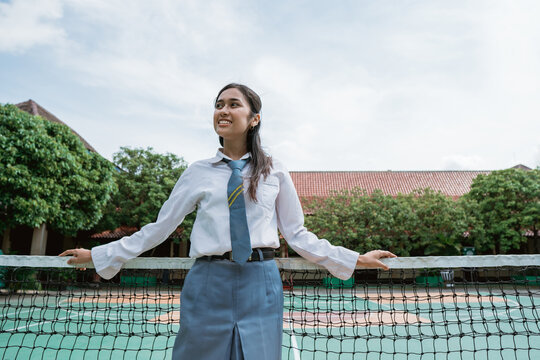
column 230, row 312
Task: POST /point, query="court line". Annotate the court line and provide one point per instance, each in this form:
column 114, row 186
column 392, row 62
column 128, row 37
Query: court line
column 27, row 326
column 294, row 343
column 58, row 306
column 68, row 311
column 480, row 314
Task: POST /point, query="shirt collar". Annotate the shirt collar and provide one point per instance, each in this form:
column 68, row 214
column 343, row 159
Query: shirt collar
column 220, row 156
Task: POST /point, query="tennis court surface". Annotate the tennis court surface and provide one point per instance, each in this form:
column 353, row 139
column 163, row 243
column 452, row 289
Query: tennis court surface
column 470, row 307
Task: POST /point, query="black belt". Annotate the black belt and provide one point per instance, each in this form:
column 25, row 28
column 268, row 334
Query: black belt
column 267, row 254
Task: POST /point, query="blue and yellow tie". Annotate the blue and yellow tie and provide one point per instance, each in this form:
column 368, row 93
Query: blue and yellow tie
column 240, row 241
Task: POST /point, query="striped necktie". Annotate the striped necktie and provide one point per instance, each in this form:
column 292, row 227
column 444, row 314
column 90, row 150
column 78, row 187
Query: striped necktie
column 240, row 241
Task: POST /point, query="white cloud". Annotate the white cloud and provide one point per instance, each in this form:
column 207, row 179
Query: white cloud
column 463, row 162
column 28, row 23
column 350, row 86
column 536, row 158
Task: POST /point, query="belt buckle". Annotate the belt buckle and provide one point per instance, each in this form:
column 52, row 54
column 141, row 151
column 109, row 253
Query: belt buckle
column 250, row 258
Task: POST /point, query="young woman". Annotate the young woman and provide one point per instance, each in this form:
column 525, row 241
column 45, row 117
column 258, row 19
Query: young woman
column 232, row 301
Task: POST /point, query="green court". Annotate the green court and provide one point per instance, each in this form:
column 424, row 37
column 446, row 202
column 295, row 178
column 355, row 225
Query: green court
column 404, row 325
column 415, row 324
column 479, row 312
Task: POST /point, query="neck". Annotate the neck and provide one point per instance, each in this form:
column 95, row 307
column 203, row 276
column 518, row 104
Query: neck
column 234, row 149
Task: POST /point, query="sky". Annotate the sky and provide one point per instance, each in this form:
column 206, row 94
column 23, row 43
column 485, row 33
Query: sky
column 345, row 85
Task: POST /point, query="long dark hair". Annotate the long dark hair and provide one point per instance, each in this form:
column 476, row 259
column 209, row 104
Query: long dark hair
column 261, row 163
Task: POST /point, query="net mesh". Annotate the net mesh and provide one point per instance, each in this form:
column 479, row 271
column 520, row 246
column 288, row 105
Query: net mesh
column 424, row 308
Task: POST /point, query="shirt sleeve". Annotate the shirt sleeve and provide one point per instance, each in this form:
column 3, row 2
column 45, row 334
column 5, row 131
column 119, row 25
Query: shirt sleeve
column 109, row 258
column 340, row 261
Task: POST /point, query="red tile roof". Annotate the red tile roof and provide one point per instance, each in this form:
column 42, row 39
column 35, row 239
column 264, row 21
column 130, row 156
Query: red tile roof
column 321, row 183
column 117, row 233
column 34, row 108
column 521, row 167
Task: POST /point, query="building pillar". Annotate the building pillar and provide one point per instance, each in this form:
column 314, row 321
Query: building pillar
column 6, row 241
column 283, row 249
column 183, row 248
column 39, row 240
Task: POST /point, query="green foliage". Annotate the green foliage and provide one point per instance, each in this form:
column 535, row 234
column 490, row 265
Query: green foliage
column 438, row 224
column 493, row 217
column 63, row 276
column 476, row 232
column 358, row 221
column 508, row 202
column 145, row 182
column 22, row 279
column 424, row 222
column 48, row 176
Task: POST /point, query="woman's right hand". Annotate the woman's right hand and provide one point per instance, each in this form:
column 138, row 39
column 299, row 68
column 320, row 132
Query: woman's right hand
column 80, row 256
column 370, row 259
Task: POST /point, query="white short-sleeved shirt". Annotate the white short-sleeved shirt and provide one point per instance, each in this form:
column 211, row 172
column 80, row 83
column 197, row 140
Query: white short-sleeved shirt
column 203, row 187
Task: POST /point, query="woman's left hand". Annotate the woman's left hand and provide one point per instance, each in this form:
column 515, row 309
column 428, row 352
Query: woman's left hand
column 371, row 259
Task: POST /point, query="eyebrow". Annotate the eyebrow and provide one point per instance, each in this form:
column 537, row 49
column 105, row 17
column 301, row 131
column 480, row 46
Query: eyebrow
column 231, row 99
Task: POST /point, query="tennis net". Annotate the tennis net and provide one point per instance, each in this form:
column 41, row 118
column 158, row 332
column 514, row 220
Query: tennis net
column 469, row 307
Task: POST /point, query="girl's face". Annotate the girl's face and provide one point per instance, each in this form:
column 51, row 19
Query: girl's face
column 232, row 115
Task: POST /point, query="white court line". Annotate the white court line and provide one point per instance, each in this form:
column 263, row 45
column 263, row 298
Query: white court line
column 44, row 322
column 27, row 326
column 481, row 315
column 495, row 313
column 16, row 312
column 296, row 352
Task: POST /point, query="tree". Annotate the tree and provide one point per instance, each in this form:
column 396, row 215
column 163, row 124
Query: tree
column 424, row 222
column 48, row 176
column 508, row 202
column 358, row 221
column 438, row 224
column 145, row 180
column 475, row 235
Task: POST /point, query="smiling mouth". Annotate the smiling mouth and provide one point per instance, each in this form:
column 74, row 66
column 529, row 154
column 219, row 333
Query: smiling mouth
column 224, row 122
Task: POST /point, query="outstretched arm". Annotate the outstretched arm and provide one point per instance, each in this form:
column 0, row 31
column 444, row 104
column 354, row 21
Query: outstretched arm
column 340, row 261
column 109, row 258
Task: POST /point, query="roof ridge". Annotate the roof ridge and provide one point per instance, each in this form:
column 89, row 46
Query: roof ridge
column 33, row 108
column 383, row 171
